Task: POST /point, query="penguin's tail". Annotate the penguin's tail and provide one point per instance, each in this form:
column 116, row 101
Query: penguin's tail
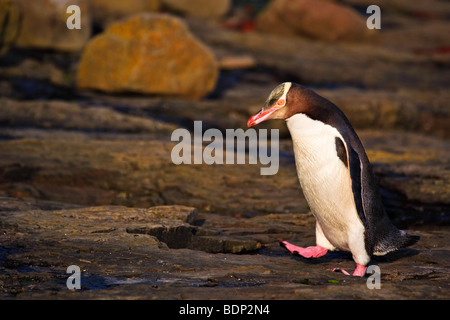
column 398, row 239
column 408, row 239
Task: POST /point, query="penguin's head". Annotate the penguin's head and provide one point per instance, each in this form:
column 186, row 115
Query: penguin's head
column 275, row 106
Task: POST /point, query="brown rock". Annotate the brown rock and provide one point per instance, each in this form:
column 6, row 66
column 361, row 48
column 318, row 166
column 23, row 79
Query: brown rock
column 61, row 114
column 44, row 25
column 199, row 8
column 148, row 53
column 119, row 259
column 9, row 24
column 237, row 62
column 316, row 19
column 106, row 11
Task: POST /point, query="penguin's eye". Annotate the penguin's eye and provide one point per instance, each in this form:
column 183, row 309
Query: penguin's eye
column 281, row 102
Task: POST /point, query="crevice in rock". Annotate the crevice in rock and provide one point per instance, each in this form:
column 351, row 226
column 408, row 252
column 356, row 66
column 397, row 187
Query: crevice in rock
column 184, row 236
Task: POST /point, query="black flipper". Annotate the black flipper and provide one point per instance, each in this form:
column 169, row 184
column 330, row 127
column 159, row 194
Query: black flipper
column 357, row 188
column 341, row 151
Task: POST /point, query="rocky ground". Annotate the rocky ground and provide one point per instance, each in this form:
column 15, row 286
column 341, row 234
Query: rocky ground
column 86, row 177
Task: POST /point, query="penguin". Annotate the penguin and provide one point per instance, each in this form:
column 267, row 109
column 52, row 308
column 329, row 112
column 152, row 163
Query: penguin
column 336, row 178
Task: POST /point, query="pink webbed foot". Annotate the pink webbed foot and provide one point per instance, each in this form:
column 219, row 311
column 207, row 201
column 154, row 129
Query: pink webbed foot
column 308, row 252
column 360, row 271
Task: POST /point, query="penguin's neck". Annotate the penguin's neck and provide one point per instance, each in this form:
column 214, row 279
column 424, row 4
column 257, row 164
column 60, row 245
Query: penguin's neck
column 312, row 139
column 316, row 159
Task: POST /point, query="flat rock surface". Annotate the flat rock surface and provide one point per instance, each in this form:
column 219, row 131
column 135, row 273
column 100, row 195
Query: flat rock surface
column 87, row 178
column 120, row 257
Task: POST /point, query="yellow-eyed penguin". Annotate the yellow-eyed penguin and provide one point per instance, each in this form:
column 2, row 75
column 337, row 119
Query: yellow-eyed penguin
column 336, row 178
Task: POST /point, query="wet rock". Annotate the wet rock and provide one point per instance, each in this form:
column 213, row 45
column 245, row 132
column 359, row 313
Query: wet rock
column 35, row 71
column 199, row 8
column 322, row 64
column 408, row 167
column 170, row 225
column 138, row 173
column 37, row 246
column 67, row 115
column 44, row 25
column 225, row 244
column 317, row 19
column 177, row 235
column 71, row 167
column 406, row 109
column 430, row 10
column 148, row 53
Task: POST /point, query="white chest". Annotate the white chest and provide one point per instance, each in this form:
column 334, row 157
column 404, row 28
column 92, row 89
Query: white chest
column 324, row 178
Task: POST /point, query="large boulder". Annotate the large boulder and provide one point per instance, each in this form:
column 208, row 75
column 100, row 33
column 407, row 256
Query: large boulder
column 44, row 25
column 148, row 53
column 317, row 19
